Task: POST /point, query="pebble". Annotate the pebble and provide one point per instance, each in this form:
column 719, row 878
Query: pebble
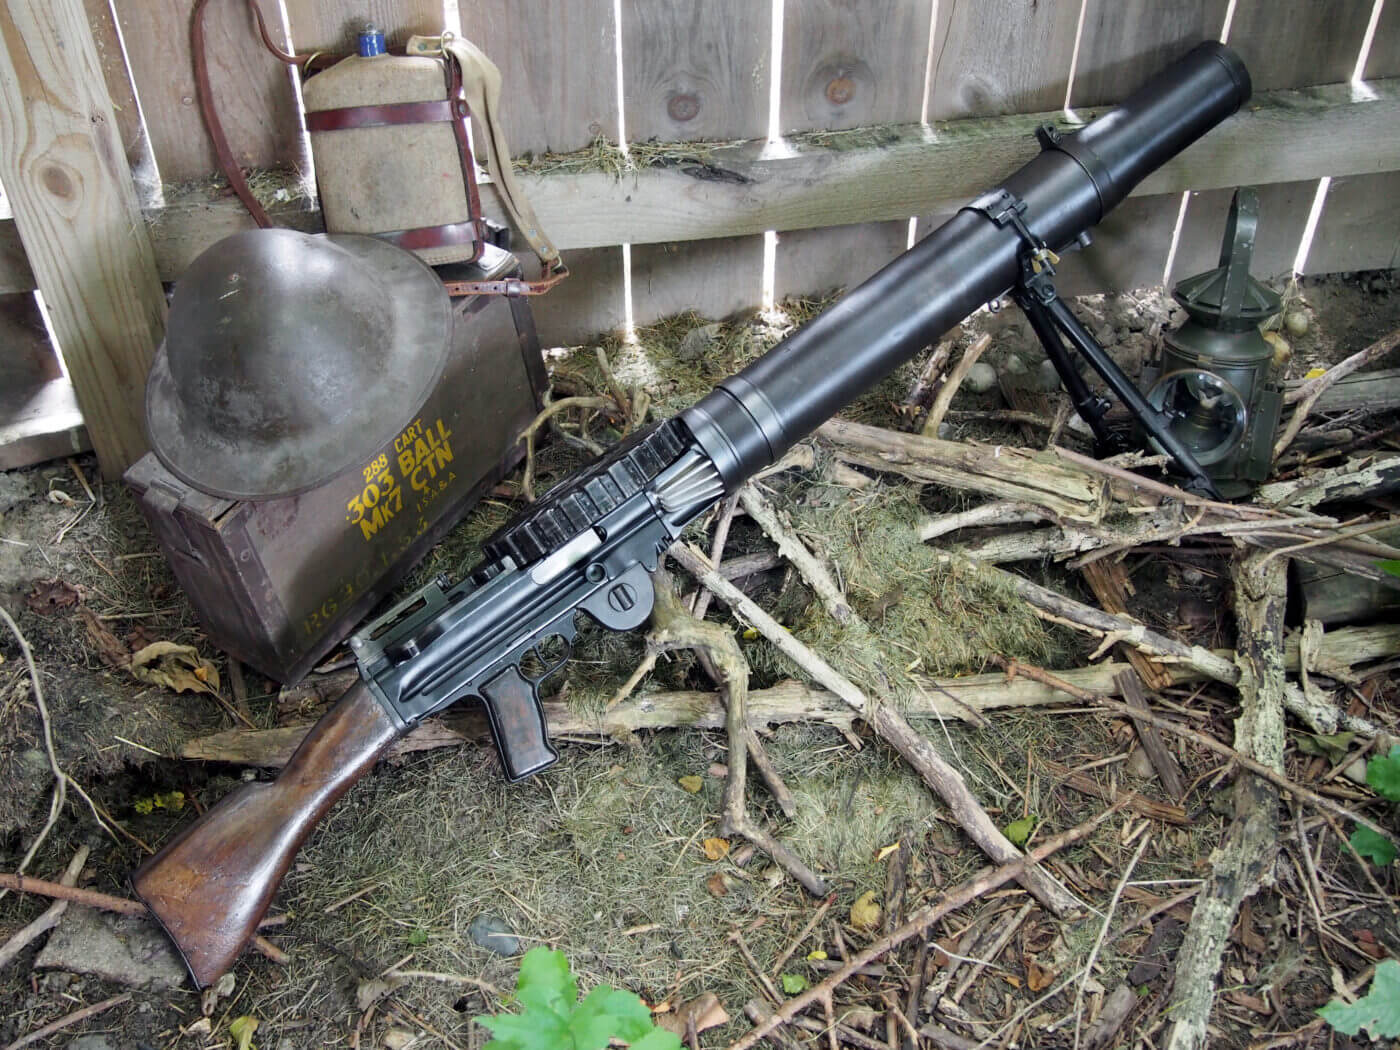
column 698, row 342
column 1049, row 379
column 91, row 1042
column 1193, row 577
column 1296, row 322
column 494, row 934
column 1139, row 765
column 1013, row 365
column 981, row 377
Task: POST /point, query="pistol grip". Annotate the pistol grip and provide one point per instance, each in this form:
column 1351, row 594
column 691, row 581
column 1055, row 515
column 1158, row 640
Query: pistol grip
column 517, row 723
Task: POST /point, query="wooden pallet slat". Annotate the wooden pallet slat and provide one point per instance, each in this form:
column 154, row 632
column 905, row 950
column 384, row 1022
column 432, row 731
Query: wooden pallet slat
column 319, row 25
column 63, row 165
column 695, row 72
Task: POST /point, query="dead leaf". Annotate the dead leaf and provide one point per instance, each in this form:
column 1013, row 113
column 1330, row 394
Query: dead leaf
column 49, row 596
column 399, row 1039
column 866, row 912
column 885, row 851
column 174, row 666
column 692, row 784
column 1011, row 979
column 702, row 1012
column 109, row 648
column 1366, row 941
column 1249, row 1002
column 941, row 948
column 1038, row 977
column 715, row 849
column 718, row 884
column 369, row 992
column 718, row 769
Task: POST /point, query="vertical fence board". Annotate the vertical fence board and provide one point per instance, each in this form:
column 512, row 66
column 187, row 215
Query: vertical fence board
column 252, row 89
column 1000, row 56
column 691, row 72
column 62, row 164
column 1125, row 41
column 847, row 64
column 559, row 85
column 1384, row 59
column 333, row 25
column 1359, row 228
column 557, row 66
column 1293, row 43
column 39, row 417
column 119, row 87
column 1283, row 212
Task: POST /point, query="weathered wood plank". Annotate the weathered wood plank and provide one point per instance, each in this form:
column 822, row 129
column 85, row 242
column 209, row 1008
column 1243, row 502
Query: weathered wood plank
column 847, row 65
column 333, row 27
column 558, row 69
column 1283, row 212
column 816, row 262
column 119, row 87
column 1359, row 228
column 1125, row 41
column 559, row 75
column 690, row 72
column 40, row 423
column 27, row 357
column 1384, row 59
column 1122, row 44
column 1329, row 132
column 1290, row 43
column 1000, row 56
column 62, row 162
column 253, row 89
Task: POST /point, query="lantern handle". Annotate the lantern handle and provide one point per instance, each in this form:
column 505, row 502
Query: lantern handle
column 1237, row 250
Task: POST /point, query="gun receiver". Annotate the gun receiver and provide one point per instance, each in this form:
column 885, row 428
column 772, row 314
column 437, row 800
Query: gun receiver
column 590, row 545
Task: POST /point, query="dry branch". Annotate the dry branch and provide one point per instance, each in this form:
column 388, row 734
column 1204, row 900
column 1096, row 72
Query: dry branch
column 889, row 725
column 1360, row 478
column 983, row 883
column 1307, row 394
column 49, row 919
column 1163, row 761
column 1320, row 716
column 950, row 388
column 1040, row 479
column 1243, row 860
column 794, row 550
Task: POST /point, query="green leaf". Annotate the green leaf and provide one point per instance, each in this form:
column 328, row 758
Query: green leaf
column 794, row 983
column 607, row 1013
column 1390, row 565
column 1378, row 1012
column 532, row 1030
column 1018, row 831
column 417, row 937
column 1376, row 848
column 656, row 1039
column 1333, row 748
column 545, row 981
column 1383, row 774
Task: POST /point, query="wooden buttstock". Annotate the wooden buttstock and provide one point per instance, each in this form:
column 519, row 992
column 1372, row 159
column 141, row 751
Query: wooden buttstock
column 212, row 884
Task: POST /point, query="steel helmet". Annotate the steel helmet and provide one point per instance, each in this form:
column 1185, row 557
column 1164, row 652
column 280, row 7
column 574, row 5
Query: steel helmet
column 289, row 357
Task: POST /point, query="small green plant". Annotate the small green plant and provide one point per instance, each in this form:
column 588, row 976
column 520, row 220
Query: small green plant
column 1378, row 1011
column 552, row 1017
column 1383, row 774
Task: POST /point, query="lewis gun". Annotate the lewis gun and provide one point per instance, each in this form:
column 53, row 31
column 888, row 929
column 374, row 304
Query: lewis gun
column 590, row 545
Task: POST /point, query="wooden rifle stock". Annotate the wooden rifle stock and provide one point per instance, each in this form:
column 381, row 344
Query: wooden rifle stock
column 211, row 885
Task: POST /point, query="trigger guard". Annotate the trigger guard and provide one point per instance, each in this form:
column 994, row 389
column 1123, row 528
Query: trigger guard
column 623, row 603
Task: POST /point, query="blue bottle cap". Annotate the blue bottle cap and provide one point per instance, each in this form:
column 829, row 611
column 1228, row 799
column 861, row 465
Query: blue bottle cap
column 371, row 42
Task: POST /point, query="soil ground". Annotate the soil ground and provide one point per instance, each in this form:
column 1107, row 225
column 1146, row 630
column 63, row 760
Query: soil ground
column 602, row 856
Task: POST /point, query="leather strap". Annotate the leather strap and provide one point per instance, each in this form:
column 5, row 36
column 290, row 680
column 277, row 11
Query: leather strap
column 435, row 237
column 511, row 286
column 348, row 117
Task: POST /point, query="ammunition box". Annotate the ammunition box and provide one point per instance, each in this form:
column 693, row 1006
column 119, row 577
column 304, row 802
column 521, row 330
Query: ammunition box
column 278, row 583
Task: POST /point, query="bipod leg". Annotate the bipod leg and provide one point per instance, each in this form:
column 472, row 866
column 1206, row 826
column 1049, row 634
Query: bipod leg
column 1091, row 408
column 1152, row 421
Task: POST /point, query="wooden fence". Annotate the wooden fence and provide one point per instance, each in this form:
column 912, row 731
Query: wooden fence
column 950, row 91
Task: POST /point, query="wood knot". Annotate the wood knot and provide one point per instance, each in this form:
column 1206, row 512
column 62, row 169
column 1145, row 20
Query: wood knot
column 58, row 182
column 682, row 108
column 840, row 90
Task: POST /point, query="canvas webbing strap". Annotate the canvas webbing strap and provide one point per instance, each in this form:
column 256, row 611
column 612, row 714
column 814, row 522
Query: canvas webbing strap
column 481, row 83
